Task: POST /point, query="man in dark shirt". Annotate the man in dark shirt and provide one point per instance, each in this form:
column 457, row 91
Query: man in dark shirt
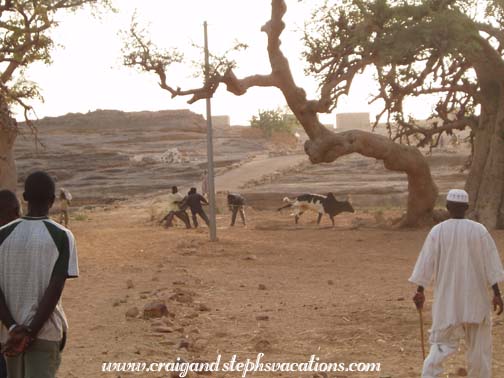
column 194, row 201
column 9, row 207
column 9, row 211
column 236, row 203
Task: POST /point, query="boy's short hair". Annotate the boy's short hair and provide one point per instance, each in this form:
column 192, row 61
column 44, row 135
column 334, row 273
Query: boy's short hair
column 8, row 200
column 39, row 187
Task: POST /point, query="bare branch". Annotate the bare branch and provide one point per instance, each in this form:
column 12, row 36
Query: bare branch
column 140, row 52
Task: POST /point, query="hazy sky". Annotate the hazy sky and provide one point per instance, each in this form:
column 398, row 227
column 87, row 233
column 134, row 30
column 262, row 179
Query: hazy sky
column 87, row 72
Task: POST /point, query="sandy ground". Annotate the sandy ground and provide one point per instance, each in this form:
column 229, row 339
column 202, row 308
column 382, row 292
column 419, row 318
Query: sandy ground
column 291, row 292
column 259, row 166
column 339, row 293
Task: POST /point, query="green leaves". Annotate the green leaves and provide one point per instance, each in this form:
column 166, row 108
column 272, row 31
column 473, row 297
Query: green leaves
column 274, row 120
column 25, row 38
column 141, row 52
column 417, row 48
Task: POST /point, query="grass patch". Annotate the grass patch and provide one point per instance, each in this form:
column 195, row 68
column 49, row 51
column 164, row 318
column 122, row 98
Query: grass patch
column 80, row 217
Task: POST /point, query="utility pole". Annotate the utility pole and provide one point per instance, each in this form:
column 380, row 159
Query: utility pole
column 211, row 181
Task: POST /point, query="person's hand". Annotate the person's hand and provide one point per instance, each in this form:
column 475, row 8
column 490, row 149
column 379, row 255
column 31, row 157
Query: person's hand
column 419, row 300
column 497, row 304
column 19, row 341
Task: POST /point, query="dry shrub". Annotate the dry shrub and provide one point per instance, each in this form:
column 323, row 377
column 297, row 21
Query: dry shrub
column 252, row 133
column 284, row 138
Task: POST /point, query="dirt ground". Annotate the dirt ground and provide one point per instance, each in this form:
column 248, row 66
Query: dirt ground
column 291, row 292
column 339, row 293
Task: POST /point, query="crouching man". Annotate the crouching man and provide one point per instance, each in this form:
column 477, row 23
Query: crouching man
column 176, row 209
column 236, row 203
column 37, row 255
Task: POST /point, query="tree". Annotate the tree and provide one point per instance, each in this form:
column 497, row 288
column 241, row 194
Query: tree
column 448, row 48
column 271, row 121
column 25, row 27
column 335, row 75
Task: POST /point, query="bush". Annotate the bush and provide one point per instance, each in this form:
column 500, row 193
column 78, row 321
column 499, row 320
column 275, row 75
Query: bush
column 80, row 217
column 277, row 120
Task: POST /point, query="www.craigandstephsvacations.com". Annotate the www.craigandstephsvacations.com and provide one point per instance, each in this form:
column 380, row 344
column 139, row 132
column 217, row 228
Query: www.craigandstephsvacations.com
column 242, row 368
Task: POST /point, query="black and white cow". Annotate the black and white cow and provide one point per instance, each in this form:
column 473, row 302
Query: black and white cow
column 320, row 204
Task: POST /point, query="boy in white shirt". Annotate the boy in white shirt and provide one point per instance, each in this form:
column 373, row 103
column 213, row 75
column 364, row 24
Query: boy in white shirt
column 37, row 255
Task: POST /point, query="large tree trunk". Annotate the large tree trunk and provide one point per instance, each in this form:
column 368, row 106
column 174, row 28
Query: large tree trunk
column 8, row 132
column 396, row 157
column 485, row 183
column 326, row 146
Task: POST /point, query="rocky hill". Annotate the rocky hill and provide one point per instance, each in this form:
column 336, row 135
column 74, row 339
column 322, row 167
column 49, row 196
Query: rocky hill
column 106, row 155
column 183, row 120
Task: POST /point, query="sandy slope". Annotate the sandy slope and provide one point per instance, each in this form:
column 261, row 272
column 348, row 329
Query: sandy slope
column 261, row 165
column 341, row 293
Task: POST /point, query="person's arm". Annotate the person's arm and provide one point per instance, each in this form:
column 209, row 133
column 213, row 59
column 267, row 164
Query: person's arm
column 21, row 336
column 19, row 340
column 47, row 304
column 231, row 202
column 5, row 314
column 203, row 199
column 493, row 269
column 66, row 266
column 424, row 267
column 497, row 300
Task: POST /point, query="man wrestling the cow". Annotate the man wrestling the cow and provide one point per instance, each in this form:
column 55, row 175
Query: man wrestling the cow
column 175, row 209
column 462, row 258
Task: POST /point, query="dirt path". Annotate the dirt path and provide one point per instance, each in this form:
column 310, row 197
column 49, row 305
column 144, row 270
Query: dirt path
column 290, row 292
column 255, row 169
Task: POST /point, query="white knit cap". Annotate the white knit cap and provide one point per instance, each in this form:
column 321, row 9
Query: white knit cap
column 458, row 195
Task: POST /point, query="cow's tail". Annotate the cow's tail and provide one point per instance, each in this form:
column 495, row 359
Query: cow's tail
column 288, row 203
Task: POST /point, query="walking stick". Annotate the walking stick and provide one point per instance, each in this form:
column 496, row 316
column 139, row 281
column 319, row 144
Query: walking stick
column 422, row 332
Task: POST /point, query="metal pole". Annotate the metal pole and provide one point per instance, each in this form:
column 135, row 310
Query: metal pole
column 211, row 182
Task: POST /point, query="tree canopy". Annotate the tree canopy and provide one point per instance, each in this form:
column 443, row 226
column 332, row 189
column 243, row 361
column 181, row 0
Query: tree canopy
column 445, row 48
column 450, row 49
column 25, row 27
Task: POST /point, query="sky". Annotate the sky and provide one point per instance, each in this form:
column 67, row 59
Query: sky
column 87, row 71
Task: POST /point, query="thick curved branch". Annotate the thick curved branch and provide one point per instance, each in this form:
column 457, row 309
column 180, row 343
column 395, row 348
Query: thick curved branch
column 396, row 157
column 493, row 32
column 240, row 86
column 233, row 85
column 294, row 95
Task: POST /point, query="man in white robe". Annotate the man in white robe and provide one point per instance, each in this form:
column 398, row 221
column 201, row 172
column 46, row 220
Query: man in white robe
column 461, row 258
